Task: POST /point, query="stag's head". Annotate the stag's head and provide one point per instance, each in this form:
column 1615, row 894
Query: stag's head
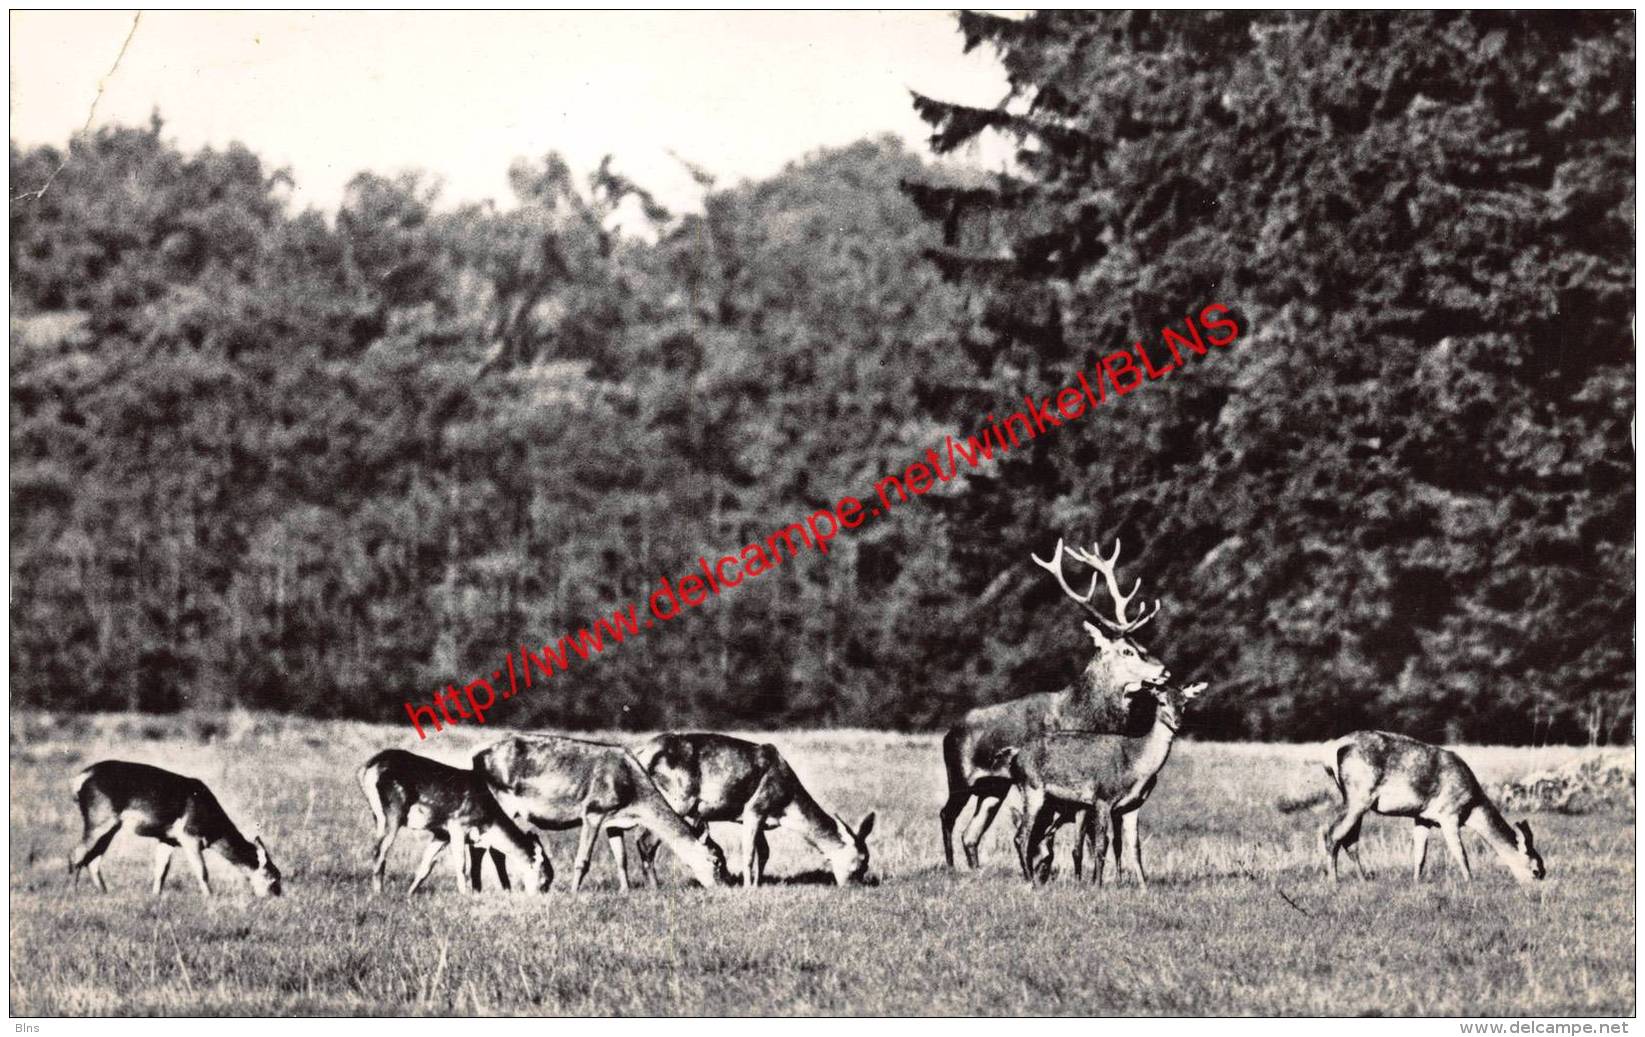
column 1126, row 662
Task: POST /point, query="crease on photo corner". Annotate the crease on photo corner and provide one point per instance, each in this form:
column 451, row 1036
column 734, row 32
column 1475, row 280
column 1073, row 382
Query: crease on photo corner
column 91, row 113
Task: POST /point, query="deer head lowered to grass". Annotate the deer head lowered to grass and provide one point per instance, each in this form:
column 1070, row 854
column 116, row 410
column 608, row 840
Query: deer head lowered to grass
column 405, row 790
column 173, row 810
column 1391, row 774
column 715, row 777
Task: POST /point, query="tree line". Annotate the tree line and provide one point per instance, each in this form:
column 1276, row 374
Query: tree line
column 289, row 460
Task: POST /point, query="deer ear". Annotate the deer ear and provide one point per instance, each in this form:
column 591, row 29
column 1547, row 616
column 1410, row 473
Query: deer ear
column 866, row 827
column 1194, row 691
column 262, row 851
column 1524, row 833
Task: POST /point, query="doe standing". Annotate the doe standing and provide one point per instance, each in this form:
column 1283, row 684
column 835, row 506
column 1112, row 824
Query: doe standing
column 169, row 808
column 714, row 777
column 1378, row 772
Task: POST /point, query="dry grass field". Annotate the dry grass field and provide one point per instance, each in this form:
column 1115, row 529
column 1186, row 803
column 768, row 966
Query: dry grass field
column 1238, row 919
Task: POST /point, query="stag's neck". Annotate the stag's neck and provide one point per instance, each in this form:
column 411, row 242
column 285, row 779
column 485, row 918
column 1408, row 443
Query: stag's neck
column 1095, row 699
column 1098, row 682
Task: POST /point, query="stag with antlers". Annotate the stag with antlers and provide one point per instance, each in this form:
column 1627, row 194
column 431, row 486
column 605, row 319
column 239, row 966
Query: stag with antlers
column 977, row 750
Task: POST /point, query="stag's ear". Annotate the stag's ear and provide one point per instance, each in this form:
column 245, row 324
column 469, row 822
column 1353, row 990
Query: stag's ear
column 1524, row 834
column 1098, row 636
column 262, row 851
column 866, row 827
column 1194, row 691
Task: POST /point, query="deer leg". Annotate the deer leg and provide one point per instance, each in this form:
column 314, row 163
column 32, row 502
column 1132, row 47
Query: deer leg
column 1352, row 846
column 1345, row 829
column 1096, row 828
column 619, row 855
column 951, row 811
column 1085, row 832
column 499, row 864
column 465, row 864
column 1419, row 849
column 592, row 824
column 1060, row 816
column 88, row 853
column 1453, row 842
column 762, row 853
column 1037, row 816
column 753, row 836
column 1044, row 856
column 390, row 831
column 1090, row 825
column 197, row 863
column 647, row 845
column 162, row 864
column 1019, row 839
column 1131, row 841
column 426, row 865
column 95, row 870
column 987, row 807
column 1088, row 841
column 476, row 855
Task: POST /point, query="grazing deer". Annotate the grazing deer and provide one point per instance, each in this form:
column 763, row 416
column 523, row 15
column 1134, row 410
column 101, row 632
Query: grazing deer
column 1401, row 777
column 975, row 750
column 169, row 808
column 555, row 782
column 1110, row 775
column 405, row 790
column 710, row 777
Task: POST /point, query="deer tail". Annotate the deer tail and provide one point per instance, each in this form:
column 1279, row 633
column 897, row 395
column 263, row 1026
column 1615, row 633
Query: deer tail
column 77, row 782
column 1329, row 758
column 951, row 758
column 1333, row 752
column 367, row 776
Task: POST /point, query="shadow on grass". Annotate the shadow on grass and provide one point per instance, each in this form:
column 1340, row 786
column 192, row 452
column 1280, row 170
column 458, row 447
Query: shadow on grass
column 814, row 877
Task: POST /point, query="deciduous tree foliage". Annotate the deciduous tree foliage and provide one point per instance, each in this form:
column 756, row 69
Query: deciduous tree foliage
column 277, row 459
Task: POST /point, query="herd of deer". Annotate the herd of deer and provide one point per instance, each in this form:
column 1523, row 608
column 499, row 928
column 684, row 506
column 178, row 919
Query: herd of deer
column 674, row 785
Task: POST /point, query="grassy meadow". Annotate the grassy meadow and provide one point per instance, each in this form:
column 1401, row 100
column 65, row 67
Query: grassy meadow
column 1238, row 919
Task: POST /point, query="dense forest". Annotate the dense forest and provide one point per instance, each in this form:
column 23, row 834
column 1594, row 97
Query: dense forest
column 329, row 463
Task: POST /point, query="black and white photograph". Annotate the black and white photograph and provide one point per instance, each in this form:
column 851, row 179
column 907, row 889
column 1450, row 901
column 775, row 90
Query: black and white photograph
column 1116, row 515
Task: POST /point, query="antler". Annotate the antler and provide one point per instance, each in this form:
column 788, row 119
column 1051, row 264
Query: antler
column 1054, row 567
column 1122, row 602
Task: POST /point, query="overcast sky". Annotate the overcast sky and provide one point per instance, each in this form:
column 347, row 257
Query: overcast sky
column 461, row 94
